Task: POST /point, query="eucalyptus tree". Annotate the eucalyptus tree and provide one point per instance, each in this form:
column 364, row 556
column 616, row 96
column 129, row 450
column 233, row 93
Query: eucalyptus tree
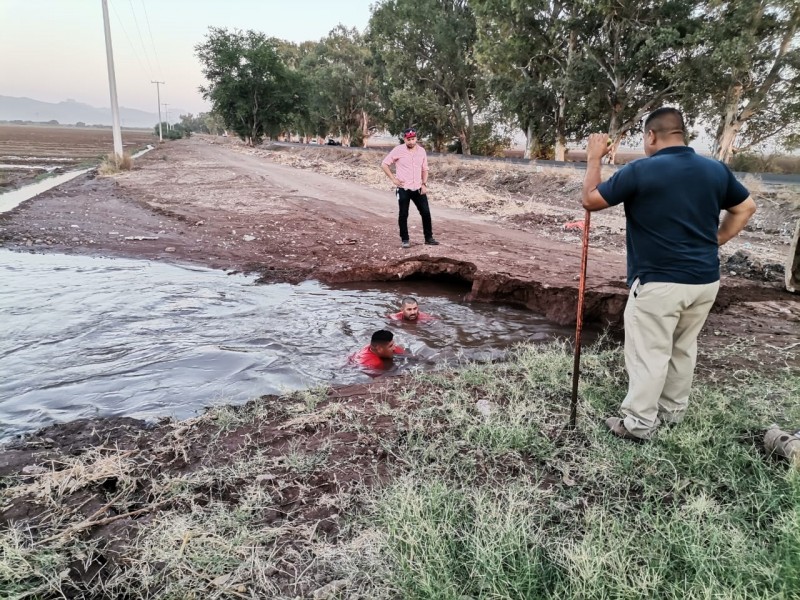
column 343, row 87
column 303, row 122
column 424, row 51
column 749, row 88
column 638, row 48
column 249, row 85
column 530, row 51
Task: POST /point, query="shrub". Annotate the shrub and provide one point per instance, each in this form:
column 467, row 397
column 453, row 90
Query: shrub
column 112, row 164
column 761, row 162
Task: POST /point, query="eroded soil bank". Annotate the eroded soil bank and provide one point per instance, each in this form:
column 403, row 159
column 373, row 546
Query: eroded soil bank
column 328, row 213
column 292, row 214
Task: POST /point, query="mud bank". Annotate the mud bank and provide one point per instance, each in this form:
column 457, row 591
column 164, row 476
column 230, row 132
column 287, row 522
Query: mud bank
column 329, row 214
column 271, row 434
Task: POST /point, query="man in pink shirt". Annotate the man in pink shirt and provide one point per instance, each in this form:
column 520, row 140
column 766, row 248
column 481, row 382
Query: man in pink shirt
column 411, row 180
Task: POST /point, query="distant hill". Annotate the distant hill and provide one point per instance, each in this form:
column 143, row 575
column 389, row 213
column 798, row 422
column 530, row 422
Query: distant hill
column 70, row 112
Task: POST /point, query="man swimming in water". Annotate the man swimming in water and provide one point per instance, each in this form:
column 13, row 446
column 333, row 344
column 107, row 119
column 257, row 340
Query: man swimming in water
column 409, row 311
column 380, row 352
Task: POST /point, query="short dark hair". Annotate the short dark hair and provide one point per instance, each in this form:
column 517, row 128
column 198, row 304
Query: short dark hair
column 382, row 336
column 665, row 120
column 409, row 300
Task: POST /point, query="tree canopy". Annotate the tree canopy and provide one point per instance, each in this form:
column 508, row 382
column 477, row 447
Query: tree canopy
column 464, row 71
column 249, row 84
column 746, row 85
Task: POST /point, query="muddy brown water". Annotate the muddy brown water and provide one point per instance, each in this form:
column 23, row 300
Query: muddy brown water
column 83, row 336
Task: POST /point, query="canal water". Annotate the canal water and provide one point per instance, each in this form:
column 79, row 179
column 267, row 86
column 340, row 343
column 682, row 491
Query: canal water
column 82, row 336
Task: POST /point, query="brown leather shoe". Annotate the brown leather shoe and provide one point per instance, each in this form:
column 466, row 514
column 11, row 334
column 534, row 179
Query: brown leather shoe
column 617, row 428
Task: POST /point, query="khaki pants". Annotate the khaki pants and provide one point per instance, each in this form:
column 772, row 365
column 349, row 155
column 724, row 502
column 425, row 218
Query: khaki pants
column 662, row 321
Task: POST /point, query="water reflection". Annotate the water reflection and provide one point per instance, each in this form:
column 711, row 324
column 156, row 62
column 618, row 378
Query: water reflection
column 81, row 336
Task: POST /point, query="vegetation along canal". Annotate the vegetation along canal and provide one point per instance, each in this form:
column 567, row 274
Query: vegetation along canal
column 113, row 337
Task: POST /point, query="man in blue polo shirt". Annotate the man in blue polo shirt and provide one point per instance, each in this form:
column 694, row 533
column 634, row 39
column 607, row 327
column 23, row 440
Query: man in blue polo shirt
column 672, row 199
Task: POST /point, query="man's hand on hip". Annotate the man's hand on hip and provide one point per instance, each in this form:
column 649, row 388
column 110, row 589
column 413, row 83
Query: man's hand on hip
column 424, row 189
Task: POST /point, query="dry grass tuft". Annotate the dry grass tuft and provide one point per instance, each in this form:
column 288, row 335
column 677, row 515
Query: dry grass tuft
column 75, row 474
column 113, row 164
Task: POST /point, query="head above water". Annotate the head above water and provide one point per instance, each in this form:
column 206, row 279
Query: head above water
column 382, row 343
column 663, row 128
column 409, row 309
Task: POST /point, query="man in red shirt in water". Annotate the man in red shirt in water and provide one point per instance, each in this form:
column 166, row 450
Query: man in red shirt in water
column 380, row 352
column 409, row 311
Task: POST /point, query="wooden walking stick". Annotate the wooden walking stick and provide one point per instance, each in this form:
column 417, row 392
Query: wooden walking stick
column 576, row 365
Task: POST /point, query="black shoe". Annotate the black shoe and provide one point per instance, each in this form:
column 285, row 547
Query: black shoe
column 431, row 242
column 405, row 244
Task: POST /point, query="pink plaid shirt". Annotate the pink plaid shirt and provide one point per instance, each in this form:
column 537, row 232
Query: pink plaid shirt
column 409, row 165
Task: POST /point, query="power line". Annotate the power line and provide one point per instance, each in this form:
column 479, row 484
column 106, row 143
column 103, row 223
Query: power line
column 125, row 31
column 152, row 41
column 141, row 39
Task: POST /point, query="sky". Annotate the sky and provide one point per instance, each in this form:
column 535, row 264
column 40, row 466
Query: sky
column 54, row 50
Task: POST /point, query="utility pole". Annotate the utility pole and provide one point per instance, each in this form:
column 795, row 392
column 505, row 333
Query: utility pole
column 166, row 104
column 158, row 95
column 112, row 85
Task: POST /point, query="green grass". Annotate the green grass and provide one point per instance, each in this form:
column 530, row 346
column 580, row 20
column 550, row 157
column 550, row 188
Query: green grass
column 493, row 508
column 488, row 497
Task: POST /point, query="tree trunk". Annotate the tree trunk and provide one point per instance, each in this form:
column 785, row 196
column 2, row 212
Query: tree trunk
column 561, row 119
column 536, row 148
column 464, row 139
column 561, row 148
column 614, row 133
column 561, row 138
column 364, row 128
column 723, row 145
column 729, row 126
column 465, row 143
column 612, row 155
column 561, row 126
column 528, row 141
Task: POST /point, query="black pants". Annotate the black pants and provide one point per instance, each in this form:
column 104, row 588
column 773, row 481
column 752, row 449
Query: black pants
column 404, row 197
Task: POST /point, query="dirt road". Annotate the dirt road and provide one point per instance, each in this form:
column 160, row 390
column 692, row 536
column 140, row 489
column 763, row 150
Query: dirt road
column 230, row 207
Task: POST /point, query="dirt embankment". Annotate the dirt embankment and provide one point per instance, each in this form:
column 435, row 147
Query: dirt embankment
column 117, row 477
column 294, row 213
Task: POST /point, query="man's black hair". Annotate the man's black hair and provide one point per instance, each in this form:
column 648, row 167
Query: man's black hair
column 382, row 336
column 666, row 120
column 409, row 300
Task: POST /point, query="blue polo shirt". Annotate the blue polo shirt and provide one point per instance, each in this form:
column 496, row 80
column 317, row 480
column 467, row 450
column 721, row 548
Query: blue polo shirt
column 672, row 204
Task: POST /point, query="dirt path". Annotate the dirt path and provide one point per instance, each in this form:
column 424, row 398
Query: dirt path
column 230, row 207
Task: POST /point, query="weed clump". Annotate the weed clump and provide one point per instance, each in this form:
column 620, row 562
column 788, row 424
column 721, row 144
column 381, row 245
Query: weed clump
column 113, row 164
